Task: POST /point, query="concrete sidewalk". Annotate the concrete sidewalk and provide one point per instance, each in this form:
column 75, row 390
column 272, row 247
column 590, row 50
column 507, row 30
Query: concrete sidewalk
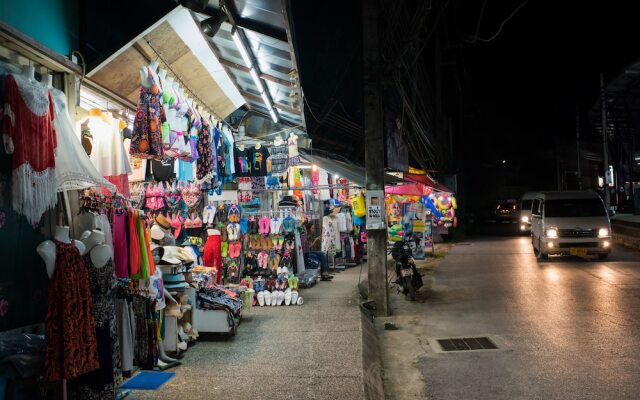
column 313, row 351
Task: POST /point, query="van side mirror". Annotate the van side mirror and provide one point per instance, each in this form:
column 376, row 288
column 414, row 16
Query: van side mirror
column 611, row 213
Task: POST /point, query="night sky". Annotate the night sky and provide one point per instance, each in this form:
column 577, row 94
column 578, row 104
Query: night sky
column 520, row 90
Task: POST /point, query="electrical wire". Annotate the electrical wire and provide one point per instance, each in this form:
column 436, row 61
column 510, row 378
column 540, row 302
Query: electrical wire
column 475, row 39
column 504, row 22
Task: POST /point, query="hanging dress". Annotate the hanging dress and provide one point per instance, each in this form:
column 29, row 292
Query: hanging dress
column 74, row 170
column 108, row 154
column 146, row 137
column 30, row 138
column 70, row 347
column 102, row 383
column 205, row 152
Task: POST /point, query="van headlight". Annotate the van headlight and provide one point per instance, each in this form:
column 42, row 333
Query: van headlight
column 551, row 233
column 524, row 219
column 603, row 232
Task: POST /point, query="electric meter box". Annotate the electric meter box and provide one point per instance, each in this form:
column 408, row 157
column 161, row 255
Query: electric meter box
column 375, row 210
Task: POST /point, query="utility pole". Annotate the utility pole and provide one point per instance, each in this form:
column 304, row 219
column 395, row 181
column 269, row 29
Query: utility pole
column 374, row 153
column 605, row 145
column 578, row 146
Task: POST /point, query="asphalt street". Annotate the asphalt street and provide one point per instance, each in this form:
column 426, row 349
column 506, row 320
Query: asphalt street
column 567, row 328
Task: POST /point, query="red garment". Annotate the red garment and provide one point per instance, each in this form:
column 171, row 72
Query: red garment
column 121, row 183
column 134, row 245
column 120, row 245
column 30, row 138
column 212, row 256
column 70, row 347
column 147, row 245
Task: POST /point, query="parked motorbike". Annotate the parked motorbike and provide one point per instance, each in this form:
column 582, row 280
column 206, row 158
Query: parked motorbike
column 407, row 276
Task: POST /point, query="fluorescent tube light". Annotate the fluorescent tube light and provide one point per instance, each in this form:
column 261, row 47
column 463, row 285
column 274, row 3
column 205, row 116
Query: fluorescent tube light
column 274, row 116
column 267, row 100
column 256, row 80
column 241, row 48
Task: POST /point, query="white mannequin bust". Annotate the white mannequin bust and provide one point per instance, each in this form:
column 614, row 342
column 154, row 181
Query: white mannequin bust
column 47, row 249
column 100, row 253
column 28, row 71
column 47, row 80
column 85, row 222
column 144, row 80
column 162, row 75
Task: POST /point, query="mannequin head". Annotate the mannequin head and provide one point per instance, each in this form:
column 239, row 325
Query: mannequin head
column 28, row 71
column 47, row 80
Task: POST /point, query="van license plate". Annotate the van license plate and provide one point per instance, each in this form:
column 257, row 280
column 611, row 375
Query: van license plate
column 578, row 251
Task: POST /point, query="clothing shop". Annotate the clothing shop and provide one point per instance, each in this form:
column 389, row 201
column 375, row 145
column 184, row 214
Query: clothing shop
column 145, row 218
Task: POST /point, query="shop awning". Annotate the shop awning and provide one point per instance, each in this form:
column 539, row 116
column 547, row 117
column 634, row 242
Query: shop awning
column 175, row 41
column 426, row 180
column 409, row 189
column 354, row 173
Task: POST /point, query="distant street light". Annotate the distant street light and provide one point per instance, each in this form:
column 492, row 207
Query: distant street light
column 504, row 161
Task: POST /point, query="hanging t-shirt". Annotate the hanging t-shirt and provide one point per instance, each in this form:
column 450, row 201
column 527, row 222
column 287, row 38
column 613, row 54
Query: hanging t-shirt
column 241, row 162
column 279, row 159
column 163, row 170
column 258, row 159
column 342, row 222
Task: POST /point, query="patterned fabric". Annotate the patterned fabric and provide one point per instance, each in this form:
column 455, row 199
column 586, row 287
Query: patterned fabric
column 145, row 346
column 29, row 136
column 146, row 138
column 102, row 383
column 205, row 152
column 70, row 338
column 242, row 162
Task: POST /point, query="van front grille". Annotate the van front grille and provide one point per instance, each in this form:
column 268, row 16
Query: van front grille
column 576, row 233
column 583, row 244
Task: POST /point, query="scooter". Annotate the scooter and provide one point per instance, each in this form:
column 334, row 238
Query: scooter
column 407, row 276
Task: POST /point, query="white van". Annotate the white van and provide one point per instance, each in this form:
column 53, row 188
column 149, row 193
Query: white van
column 525, row 210
column 570, row 223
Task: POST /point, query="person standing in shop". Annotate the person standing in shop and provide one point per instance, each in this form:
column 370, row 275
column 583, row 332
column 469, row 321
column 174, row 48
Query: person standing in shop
column 315, row 240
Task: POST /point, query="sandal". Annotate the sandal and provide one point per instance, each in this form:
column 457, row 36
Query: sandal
column 224, row 249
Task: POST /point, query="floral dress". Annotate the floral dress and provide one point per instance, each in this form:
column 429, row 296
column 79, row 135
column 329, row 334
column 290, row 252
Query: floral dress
column 205, row 152
column 102, row 383
column 146, row 138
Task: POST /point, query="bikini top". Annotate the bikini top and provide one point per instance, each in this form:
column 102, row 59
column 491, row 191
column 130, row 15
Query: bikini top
column 173, row 197
column 191, row 195
column 154, row 197
column 193, row 222
column 289, row 224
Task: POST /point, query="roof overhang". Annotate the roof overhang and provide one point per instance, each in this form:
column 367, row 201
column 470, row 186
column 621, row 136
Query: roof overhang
column 176, row 41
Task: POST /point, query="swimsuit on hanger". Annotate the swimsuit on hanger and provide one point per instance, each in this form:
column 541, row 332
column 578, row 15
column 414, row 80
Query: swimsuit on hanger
column 155, row 197
column 193, row 222
column 173, row 197
column 191, row 195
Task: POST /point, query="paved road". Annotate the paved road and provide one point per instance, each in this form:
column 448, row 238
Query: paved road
column 571, row 327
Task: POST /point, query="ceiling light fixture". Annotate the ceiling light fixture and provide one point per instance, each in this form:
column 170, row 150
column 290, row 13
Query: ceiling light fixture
column 235, row 34
column 274, row 116
column 256, row 80
column 267, row 100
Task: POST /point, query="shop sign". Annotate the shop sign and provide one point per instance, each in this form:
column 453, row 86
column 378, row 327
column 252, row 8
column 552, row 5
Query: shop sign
column 375, row 209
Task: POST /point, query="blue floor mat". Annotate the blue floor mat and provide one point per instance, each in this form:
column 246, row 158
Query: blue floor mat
column 148, row 380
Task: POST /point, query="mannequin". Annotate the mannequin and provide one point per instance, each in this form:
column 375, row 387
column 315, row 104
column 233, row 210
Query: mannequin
column 257, row 146
column 84, row 222
column 240, row 146
column 278, row 140
column 47, row 249
column 162, row 75
column 47, row 81
column 28, row 71
column 99, row 252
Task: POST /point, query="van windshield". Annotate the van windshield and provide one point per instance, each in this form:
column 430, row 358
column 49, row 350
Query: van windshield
column 526, row 204
column 574, row 208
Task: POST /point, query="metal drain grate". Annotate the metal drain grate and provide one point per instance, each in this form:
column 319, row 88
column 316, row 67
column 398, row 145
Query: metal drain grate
column 463, row 344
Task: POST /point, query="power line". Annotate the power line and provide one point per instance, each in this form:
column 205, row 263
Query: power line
column 475, row 39
column 503, row 23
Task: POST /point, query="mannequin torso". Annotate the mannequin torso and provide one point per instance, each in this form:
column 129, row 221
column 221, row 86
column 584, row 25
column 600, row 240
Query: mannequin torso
column 99, row 252
column 47, row 249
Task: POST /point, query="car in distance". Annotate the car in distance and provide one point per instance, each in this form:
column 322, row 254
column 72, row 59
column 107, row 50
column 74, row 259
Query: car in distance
column 570, row 223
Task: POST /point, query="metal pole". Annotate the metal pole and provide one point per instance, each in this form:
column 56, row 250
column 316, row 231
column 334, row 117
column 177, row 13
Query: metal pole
column 374, row 153
column 578, row 146
column 605, row 146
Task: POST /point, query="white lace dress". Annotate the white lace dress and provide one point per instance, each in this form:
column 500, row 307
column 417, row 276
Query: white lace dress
column 74, row 170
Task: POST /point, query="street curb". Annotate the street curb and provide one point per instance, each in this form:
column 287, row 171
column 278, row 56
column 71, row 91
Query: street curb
column 371, row 361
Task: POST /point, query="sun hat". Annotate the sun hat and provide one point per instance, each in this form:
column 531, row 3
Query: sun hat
column 157, row 233
column 174, row 281
column 167, row 256
column 179, row 253
column 163, row 221
column 288, row 201
column 173, row 309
